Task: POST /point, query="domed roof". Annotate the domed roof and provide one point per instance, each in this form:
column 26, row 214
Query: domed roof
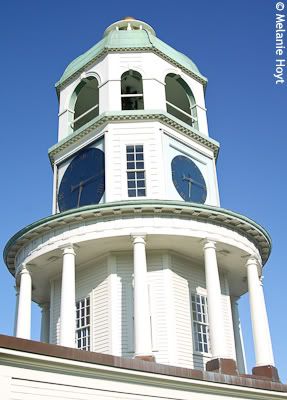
column 130, row 34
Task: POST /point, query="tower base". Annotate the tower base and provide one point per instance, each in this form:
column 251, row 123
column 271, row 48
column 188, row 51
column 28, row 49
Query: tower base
column 267, row 371
column 222, row 366
column 145, row 358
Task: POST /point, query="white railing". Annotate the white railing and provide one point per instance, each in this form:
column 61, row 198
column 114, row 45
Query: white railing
column 83, row 115
column 132, row 95
column 182, row 112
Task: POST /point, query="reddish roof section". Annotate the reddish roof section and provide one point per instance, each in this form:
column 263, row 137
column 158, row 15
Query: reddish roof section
column 50, row 350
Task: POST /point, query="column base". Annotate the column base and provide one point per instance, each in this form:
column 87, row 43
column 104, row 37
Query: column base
column 222, row 366
column 145, row 358
column 267, row 371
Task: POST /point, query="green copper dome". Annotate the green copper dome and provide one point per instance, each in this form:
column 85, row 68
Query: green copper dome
column 130, row 35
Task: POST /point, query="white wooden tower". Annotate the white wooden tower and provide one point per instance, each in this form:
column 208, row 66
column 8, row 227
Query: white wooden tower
column 138, row 260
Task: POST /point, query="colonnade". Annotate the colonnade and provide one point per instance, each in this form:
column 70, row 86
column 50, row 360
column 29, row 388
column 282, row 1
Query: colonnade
column 142, row 340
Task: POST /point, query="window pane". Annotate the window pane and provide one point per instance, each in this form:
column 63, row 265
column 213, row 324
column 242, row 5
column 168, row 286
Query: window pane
column 132, row 193
column 140, row 175
column 82, row 324
column 131, row 184
column 140, row 165
column 139, row 148
column 130, row 149
column 141, row 192
column 131, row 175
column 200, row 328
column 130, row 165
column 141, row 184
column 130, row 157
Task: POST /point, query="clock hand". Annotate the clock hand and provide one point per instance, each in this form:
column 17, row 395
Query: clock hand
column 83, row 183
column 79, row 195
column 190, row 182
column 80, row 187
column 188, row 179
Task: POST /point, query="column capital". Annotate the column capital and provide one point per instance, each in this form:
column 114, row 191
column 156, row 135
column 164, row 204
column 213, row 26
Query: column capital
column 24, row 270
column 138, row 238
column 209, row 244
column 68, row 248
column 253, row 260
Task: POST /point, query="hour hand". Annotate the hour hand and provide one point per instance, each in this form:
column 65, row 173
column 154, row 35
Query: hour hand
column 88, row 180
column 83, row 183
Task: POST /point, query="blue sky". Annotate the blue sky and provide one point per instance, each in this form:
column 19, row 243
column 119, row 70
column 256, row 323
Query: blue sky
column 233, row 44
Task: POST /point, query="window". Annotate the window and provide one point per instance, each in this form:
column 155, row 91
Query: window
column 180, row 101
column 86, row 97
column 83, row 324
column 132, row 91
column 200, row 323
column 135, row 171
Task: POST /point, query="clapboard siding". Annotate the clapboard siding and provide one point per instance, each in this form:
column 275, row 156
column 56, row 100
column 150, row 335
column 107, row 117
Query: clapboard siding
column 189, row 277
column 119, row 137
column 169, row 327
column 157, row 305
column 90, row 281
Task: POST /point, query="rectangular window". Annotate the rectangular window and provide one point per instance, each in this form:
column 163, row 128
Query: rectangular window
column 83, row 324
column 200, row 323
column 135, row 171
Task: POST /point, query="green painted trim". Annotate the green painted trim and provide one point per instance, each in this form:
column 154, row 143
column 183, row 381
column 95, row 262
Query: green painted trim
column 63, row 82
column 129, row 41
column 206, row 213
column 143, row 115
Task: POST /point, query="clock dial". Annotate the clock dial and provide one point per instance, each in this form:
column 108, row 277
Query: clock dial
column 188, row 179
column 83, row 182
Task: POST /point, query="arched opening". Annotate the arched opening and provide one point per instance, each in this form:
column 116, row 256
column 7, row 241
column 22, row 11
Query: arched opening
column 180, row 101
column 86, row 103
column 132, row 91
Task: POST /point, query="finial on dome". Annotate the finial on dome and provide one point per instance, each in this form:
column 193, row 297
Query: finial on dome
column 129, row 24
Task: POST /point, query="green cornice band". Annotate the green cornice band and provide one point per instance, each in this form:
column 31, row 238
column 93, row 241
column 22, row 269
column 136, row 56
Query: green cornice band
column 200, row 212
column 136, row 115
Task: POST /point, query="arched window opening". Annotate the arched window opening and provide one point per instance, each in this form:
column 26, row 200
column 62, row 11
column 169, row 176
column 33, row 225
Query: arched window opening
column 87, row 102
column 132, row 91
column 180, row 101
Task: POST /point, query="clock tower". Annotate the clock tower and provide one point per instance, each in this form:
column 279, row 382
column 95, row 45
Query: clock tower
column 138, row 260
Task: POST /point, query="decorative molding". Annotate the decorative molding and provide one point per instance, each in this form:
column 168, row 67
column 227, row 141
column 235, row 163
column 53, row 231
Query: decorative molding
column 199, row 212
column 141, row 115
column 62, row 84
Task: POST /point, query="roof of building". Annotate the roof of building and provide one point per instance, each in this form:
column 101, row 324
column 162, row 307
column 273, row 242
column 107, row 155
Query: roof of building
column 29, row 348
column 130, row 35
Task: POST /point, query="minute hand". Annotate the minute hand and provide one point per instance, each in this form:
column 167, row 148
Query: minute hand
column 188, row 179
column 83, row 183
column 80, row 187
column 191, row 181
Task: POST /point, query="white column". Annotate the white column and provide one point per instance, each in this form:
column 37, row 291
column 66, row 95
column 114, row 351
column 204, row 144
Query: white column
column 16, row 309
column 68, row 307
column 23, row 329
column 45, row 322
column 260, row 326
column 238, row 338
column 215, row 317
column 142, row 327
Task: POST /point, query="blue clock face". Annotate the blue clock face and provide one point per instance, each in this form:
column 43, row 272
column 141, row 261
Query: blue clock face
column 188, row 179
column 83, row 182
